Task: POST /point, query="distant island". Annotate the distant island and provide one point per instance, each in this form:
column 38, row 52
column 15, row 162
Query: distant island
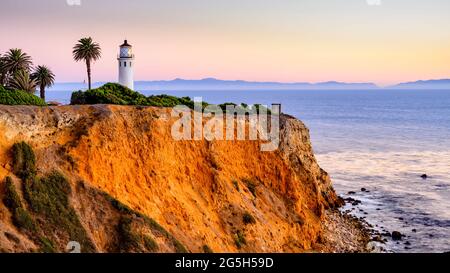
column 212, row 84
column 429, row 84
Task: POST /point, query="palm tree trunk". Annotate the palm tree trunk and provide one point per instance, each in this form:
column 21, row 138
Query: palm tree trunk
column 88, row 65
column 2, row 79
column 43, row 92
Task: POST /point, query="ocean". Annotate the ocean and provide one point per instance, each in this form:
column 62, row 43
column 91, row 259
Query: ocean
column 380, row 140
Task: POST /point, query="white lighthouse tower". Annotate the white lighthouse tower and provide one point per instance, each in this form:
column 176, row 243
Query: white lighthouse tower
column 126, row 65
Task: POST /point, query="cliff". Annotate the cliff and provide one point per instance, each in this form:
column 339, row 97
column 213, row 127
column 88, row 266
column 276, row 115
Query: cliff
column 132, row 188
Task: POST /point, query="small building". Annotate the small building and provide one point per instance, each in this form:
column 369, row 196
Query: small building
column 126, row 65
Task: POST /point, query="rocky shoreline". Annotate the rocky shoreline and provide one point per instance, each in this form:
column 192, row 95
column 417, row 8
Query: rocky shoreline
column 378, row 236
column 343, row 233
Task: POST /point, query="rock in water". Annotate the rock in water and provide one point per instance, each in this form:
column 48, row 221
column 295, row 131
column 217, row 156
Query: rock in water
column 424, row 176
column 396, row 235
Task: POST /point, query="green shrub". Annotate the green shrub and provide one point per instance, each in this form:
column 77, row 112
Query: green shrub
column 121, row 207
column 129, row 241
column 239, row 239
column 24, row 161
column 179, row 247
column 248, row 218
column 49, row 197
column 47, row 246
column 17, row 97
column 11, row 198
column 23, row 220
column 151, row 223
column 112, row 93
column 251, row 186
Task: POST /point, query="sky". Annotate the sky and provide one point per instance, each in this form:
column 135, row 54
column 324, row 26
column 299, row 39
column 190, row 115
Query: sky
column 381, row 41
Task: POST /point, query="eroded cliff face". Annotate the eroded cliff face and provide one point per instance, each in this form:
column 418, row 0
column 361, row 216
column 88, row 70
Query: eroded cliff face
column 224, row 196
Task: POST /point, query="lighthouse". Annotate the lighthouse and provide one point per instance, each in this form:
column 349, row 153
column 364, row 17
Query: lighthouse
column 126, row 65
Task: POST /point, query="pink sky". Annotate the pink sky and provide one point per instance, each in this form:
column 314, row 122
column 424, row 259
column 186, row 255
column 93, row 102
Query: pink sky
column 287, row 41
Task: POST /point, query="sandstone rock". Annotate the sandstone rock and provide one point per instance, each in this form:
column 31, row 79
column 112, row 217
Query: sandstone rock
column 186, row 186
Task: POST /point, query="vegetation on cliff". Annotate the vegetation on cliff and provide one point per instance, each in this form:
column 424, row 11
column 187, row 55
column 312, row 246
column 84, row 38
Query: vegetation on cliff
column 112, row 93
column 132, row 241
column 48, row 199
column 17, row 97
column 48, row 218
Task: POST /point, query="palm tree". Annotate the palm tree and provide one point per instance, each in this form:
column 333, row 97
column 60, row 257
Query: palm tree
column 3, row 71
column 23, row 81
column 88, row 51
column 15, row 60
column 44, row 78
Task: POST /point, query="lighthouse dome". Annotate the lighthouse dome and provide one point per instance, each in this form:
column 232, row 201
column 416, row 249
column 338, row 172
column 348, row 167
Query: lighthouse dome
column 126, row 50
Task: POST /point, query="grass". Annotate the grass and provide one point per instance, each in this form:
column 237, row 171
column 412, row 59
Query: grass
column 151, row 223
column 129, row 241
column 21, row 218
column 179, row 247
column 251, row 186
column 121, row 207
column 17, row 97
column 24, row 160
column 239, row 239
column 248, row 219
column 49, row 198
column 47, row 246
column 11, row 198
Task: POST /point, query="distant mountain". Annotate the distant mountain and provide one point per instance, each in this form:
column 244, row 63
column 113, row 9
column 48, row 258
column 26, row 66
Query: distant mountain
column 216, row 84
column 430, row 84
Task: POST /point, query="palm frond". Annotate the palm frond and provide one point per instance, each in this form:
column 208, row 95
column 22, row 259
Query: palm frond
column 43, row 76
column 15, row 60
column 23, row 81
column 86, row 50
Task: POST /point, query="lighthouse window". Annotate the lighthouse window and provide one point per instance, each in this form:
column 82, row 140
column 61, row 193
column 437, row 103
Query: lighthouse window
column 125, row 63
column 120, row 64
column 130, row 64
